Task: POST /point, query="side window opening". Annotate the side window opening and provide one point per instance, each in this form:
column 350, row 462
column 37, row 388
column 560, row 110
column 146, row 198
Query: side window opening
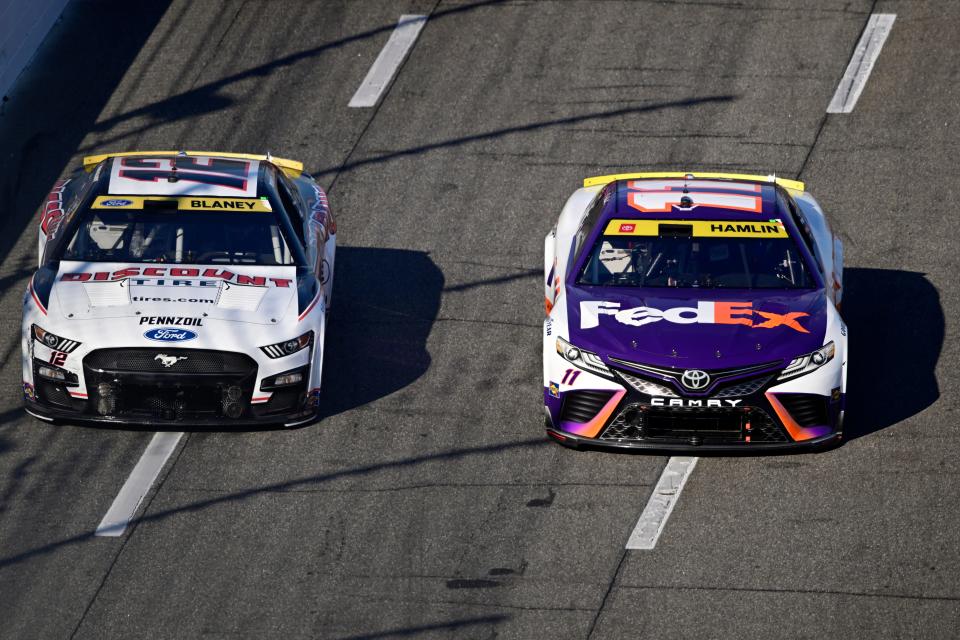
column 293, row 211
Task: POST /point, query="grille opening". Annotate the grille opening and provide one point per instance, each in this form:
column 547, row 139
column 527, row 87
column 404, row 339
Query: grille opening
column 583, row 406
column 641, row 423
column 806, row 409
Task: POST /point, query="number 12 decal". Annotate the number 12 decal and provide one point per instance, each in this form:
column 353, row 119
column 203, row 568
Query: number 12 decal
column 569, row 376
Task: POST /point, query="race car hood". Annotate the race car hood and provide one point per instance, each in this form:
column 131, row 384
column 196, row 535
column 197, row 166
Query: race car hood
column 241, row 293
column 715, row 329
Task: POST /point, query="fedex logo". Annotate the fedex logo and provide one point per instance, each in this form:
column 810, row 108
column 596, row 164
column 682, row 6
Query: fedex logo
column 704, row 313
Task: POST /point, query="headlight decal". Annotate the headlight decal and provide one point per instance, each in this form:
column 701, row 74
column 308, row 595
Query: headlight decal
column 53, row 341
column 586, row 360
column 808, row 363
column 288, row 347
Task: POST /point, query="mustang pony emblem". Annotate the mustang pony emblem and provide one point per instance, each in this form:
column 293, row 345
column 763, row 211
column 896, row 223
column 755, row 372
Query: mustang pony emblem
column 169, row 361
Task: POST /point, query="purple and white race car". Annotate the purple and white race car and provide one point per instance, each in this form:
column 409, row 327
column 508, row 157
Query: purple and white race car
column 694, row 312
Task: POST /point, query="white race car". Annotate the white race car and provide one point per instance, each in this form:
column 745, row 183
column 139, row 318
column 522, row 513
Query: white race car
column 180, row 287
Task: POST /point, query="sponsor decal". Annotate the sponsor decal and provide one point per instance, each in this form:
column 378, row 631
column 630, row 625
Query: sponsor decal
column 324, row 271
column 684, row 402
column 149, row 299
column 554, row 390
column 52, row 214
column 28, row 392
column 185, row 203
column 175, row 276
column 548, row 326
column 320, row 208
column 167, row 334
column 699, row 228
column 172, row 320
column 706, row 312
column 168, row 361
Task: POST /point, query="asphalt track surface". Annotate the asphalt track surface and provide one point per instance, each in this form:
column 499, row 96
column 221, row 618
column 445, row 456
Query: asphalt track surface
column 427, row 502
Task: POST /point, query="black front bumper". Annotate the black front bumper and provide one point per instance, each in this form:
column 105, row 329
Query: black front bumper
column 135, row 387
column 578, row 442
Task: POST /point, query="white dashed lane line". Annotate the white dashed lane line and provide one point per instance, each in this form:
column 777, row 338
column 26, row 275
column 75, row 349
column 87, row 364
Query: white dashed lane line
column 389, row 60
column 661, row 503
column 861, row 63
column 127, row 502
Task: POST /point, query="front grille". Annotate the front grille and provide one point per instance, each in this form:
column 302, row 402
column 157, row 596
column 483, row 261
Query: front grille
column 806, row 409
column 198, row 385
column 641, row 423
column 741, row 388
column 583, row 406
column 646, row 387
column 173, row 361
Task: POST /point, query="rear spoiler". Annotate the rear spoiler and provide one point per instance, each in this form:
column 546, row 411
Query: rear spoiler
column 794, row 185
column 292, row 168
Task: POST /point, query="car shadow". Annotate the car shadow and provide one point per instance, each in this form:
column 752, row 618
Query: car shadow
column 384, row 304
column 897, row 329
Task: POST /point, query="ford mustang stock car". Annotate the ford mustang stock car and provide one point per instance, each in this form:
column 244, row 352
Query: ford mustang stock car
column 694, row 312
column 180, row 287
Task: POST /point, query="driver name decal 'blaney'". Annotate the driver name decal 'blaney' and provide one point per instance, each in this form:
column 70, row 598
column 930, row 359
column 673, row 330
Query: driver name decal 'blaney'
column 175, row 276
column 706, row 312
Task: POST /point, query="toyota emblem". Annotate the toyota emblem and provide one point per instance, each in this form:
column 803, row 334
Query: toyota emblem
column 695, row 379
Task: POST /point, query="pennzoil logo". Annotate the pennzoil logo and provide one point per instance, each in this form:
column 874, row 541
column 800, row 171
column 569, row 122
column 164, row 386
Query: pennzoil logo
column 706, row 312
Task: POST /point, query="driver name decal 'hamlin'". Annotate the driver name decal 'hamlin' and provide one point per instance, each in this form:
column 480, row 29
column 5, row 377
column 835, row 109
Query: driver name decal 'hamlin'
column 706, row 312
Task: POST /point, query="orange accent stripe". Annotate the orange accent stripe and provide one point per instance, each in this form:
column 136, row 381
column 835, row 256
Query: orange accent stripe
column 796, row 432
column 592, row 428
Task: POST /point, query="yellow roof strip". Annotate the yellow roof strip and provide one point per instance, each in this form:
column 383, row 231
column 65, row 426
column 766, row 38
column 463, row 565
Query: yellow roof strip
column 292, row 168
column 795, row 185
column 699, row 228
column 184, row 203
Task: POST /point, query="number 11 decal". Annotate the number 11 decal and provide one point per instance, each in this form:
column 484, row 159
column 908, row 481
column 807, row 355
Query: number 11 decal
column 569, row 376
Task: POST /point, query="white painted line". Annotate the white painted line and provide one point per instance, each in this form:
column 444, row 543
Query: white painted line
column 387, row 63
column 127, row 502
column 661, row 503
column 861, row 63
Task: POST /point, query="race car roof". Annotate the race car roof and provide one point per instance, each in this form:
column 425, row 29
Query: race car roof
column 689, row 199
column 187, row 175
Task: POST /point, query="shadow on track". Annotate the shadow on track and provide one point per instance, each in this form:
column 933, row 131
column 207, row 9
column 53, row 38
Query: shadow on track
column 297, row 483
column 405, row 632
column 59, row 97
column 897, row 329
column 384, row 304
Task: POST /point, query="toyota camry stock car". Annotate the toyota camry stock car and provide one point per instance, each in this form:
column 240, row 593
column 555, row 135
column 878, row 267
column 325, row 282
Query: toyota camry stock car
column 181, row 287
column 694, row 312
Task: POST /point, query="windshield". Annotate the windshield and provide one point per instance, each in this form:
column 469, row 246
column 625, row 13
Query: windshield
column 179, row 237
column 687, row 253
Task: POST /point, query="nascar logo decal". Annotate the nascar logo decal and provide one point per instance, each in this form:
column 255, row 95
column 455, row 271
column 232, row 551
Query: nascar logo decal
column 170, row 335
column 704, row 313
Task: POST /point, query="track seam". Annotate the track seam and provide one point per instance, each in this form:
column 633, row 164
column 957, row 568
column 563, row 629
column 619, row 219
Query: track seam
column 383, row 98
column 134, row 523
column 825, row 116
column 603, row 603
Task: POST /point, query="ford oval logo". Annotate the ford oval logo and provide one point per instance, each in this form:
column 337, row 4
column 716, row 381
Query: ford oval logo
column 169, row 335
column 116, row 203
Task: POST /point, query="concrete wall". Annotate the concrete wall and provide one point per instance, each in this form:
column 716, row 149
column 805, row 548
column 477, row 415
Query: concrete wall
column 23, row 25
